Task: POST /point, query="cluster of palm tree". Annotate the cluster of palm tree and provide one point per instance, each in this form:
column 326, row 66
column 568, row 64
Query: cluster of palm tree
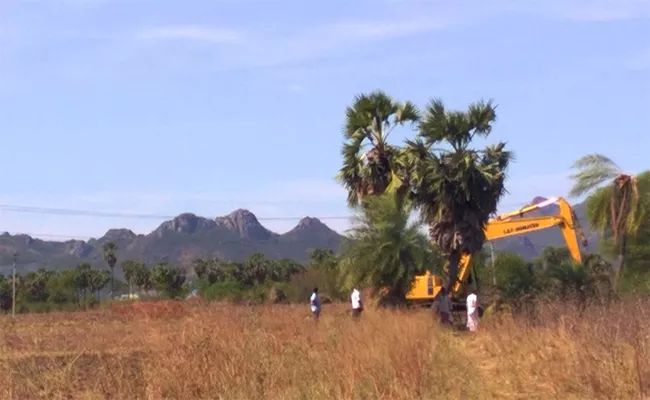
column 137, row 275
column 254, row 271
column 71, row 286
column 453, row 186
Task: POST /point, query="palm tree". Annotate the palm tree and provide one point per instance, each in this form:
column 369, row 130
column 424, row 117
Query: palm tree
column 323, row 258
column 109, row 250
column 82, row 280
column 385, row 250
column 457, row 189
column 97, row 280
column 614, row 208
column 369, row 122
column 129, row 269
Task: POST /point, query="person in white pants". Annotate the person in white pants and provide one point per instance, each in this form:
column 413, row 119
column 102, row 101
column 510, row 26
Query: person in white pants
column 357, row 305
column 472, row 311
column 314, row 302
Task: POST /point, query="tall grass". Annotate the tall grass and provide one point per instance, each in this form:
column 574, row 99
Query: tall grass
column 219, row 351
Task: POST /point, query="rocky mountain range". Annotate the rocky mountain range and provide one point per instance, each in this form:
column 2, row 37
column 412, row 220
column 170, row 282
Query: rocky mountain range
column 235, row 236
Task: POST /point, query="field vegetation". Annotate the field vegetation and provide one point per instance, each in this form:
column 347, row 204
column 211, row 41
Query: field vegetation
column 197, row 350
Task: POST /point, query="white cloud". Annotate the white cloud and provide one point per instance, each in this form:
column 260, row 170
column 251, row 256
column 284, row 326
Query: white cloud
column 587, row 10
column 295, row 88
column 387, row 29
column 190, row 32
column 257, row 48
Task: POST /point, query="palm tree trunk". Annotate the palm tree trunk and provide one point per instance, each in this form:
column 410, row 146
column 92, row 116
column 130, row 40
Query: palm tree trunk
column 621, row 260
column 452, row 272
column 112, row 283
column 494, row 266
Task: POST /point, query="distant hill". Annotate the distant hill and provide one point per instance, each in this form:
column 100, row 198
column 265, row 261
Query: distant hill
column 235, row 237
column 180, row 240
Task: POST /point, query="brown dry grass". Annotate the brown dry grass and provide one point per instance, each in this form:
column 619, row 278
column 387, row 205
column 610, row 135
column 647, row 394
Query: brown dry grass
column 219, row 351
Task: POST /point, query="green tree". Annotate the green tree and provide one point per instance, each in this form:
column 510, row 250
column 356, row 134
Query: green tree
column 457, row 188
column 5, row 294
column 143, row 278
column 97, row 280
column 130, row 269
column 386, row 250
column 108, row 250
column 553, row 256
column 168, row 280
column 62, row 288
column 613, row 209
column 82, row 281
column 369, row 121
column 516, row 280
column 323, row 259
column 211, row 270
column 36, row 285
column 200, row 266
column 283, row 269
column 257, row 268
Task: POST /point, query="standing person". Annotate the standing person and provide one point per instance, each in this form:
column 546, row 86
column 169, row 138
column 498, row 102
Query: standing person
column 315, row 304
column 472, row 311
column 444, row 307
column 357, row 305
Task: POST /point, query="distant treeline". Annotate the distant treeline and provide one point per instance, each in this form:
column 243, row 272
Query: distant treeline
column 258, row 280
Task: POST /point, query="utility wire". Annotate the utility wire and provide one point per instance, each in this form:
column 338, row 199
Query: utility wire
column 78, row 212
column 51, row 235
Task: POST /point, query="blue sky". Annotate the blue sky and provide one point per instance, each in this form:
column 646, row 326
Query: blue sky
column 162, row 107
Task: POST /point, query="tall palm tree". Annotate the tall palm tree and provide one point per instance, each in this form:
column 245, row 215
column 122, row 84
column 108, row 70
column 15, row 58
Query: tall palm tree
column 385, row 250
column 369, row 122
column 109, row 250
column 457, row 188
column 615, row 208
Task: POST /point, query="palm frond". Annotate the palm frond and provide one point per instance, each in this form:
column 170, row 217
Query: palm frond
column 407, row 112
column 370, row 119
column 598, row 209
column 597, row 159
column 433, row 127
column 481, row 115
column 593, row 171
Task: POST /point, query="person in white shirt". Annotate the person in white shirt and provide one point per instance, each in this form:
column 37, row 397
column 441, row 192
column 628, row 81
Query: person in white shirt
column 472, row 311
column 357, row 305
column 315, row 304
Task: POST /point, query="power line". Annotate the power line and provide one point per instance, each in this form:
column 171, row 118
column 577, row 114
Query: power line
column 51, row 235
column 77, row 212
column 105, row 214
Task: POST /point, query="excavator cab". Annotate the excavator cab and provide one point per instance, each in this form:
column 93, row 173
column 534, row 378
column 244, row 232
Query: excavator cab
column 425, row 288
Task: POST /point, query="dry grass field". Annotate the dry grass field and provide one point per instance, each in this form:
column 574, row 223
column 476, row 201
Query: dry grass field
column 218, row 351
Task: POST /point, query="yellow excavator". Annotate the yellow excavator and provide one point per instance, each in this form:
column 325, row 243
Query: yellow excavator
column 427, row 286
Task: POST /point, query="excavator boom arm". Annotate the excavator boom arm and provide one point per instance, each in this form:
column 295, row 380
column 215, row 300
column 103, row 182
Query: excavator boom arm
column 505, row 225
